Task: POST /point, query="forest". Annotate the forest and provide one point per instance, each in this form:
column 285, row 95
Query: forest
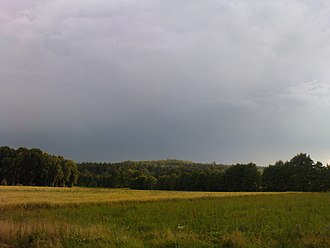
column 33, row 167
column 37, row 168
column 301, row 173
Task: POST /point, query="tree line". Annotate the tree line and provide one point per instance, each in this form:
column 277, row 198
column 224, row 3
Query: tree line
column 170, row 175
column 35, row 167
column 301, row 173
column 32, row 167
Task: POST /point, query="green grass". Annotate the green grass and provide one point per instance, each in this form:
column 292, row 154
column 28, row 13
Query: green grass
column 280, row 220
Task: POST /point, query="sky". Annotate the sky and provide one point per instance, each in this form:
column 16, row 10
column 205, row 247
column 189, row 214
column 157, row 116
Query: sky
column 226, row 81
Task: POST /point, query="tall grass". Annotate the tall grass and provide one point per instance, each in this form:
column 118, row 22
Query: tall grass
column 25, row 196
column 281, row 220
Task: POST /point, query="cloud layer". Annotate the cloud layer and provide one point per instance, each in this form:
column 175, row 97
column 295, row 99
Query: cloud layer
column 224, row 81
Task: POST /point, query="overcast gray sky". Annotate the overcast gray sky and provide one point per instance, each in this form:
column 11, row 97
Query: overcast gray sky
column 218, row 80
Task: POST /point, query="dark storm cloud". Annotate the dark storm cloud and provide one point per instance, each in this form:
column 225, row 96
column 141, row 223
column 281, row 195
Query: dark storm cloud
column 225, row 81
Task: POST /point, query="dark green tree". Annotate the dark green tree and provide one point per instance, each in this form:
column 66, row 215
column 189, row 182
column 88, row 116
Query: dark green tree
column 242, row 177
column 34, row 167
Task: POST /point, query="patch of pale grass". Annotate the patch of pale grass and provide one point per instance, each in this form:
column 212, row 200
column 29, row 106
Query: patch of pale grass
column 11, row 196
column 38, row 234
column 173, row 238
column 41, row 234
column 315, row 240
column 235, row 239
column 7, row 230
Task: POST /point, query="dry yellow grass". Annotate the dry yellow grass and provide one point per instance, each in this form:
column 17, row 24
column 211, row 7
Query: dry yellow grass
column 49, row 234
column 24, row 195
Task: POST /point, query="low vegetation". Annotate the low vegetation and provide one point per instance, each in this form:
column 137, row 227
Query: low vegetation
column 78, row 217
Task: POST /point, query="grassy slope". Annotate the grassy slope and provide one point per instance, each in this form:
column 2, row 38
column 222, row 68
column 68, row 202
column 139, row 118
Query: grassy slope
column 281, row 220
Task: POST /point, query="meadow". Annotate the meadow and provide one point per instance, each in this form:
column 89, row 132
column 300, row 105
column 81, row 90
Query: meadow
column 85, row 217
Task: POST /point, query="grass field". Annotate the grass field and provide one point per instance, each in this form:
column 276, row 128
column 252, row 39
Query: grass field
column 80, row 217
